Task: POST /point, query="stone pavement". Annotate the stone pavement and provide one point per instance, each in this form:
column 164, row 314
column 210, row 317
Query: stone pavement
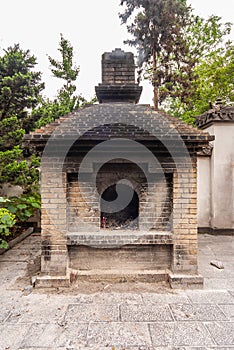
column 141, row 319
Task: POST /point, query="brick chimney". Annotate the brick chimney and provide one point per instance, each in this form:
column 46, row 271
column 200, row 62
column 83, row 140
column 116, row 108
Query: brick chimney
column 118, row 78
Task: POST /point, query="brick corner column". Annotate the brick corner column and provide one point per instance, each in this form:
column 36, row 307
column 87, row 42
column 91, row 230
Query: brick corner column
column 54, row 253
column 185, row 240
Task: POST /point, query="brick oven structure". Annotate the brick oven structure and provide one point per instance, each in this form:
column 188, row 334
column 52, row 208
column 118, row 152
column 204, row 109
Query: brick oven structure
column 117, row 154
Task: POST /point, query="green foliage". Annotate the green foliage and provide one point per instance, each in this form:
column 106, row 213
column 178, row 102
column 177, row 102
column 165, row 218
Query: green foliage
column 48, row 110
column 64, row 70
column 14, row 168
column 184, row 55
column 7, row 221
column 19, row 84
column 23, row 207
column 20, row 87
column 12, row 133
column 67, row 100
column 14, row 212
column 215, row 78
column 157, row 29
column 203, row 36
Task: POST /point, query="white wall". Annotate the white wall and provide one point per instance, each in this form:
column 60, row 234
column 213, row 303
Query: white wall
column 204, row 192
column 221, row 180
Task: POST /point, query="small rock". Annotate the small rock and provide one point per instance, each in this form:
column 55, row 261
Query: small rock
column 33, row 280
column 27, row 290
column 107, row 286
column 62, row 323
column 217, row 264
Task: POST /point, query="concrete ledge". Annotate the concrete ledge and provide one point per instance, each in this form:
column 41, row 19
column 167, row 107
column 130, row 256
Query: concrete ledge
column 119, row 238
column 180, row 281
column 17, row 240
column 216, row 231
column 52, row 281
column 121, row 276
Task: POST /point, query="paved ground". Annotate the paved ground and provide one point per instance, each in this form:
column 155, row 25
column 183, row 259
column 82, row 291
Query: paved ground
column 147, row 318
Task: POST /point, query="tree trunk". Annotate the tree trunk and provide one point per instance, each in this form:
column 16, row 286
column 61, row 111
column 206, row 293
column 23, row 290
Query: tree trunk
column 155, row 85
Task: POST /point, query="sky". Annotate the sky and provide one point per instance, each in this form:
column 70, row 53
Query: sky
column 93, row 27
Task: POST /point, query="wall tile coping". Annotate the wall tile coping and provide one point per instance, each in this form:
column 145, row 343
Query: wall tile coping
column 118, row 238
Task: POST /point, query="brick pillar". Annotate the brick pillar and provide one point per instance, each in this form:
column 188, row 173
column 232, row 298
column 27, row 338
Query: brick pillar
column 118, row 67
column 185, row 245
column 53, row 224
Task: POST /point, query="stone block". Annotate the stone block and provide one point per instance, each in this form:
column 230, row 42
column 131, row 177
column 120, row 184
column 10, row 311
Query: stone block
column 180, row 281
column 145, row 313
column 52, row 281
column 178, row 335
column 92, row 313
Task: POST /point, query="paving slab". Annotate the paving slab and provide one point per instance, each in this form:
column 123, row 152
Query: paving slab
column 228, row 310
column 149, row 319
column 145, row 313
column 55, row 336
column 179, row 334
column 165, row 298
column 119, row 334
column 197, row 312
column 211, row 296
column 91, row 312
column 222, row 332
column 11, row 336
column 109, row 298
column 47, row 348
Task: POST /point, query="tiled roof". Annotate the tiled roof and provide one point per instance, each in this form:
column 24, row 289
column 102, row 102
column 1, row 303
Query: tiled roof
column 118, row 120
column 218, row 113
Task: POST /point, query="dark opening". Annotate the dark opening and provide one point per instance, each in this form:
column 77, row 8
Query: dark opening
column 126, row 218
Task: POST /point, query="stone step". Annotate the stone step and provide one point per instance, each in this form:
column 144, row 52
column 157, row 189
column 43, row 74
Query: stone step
column 148, row 276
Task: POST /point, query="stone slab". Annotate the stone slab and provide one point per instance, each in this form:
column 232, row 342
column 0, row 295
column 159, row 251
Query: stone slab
column 228, row 310
column 119, row 335
column 205, row 297
column 195, row 312
column 179, row 334
column 180, row 281
column 165, row 298
column 145, row 313
column 91, row 312
column 12, row 335
column 109, row 298
column 52, row 281
column 55, row 336
column 4, row 314
column 222, row 332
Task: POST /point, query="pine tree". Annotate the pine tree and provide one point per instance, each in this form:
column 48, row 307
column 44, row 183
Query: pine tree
column 65, row 70
column 157, row 30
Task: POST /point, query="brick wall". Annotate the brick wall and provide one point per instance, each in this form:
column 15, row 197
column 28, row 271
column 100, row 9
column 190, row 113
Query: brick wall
column 185, row 246
column 134, row 258
column 62, row 204
column 155, row 198
column 53, row 219
column 118, row 67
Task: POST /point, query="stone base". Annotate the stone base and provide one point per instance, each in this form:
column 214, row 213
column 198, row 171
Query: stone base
column 216, row 231
column 52, row 281
column 116, row 276
column 180, row 281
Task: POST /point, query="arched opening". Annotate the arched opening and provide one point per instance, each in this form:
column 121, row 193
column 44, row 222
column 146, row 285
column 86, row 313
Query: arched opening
column 127, row 218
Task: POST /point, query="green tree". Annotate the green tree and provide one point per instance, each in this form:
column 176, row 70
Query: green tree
column 66, row 100
column 20, row 87
column 66, row 70
column 171, row 42
column 157, row 29
column 213, row 69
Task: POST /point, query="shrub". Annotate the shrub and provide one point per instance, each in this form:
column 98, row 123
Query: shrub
column 23, row 207
column 7, row 221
